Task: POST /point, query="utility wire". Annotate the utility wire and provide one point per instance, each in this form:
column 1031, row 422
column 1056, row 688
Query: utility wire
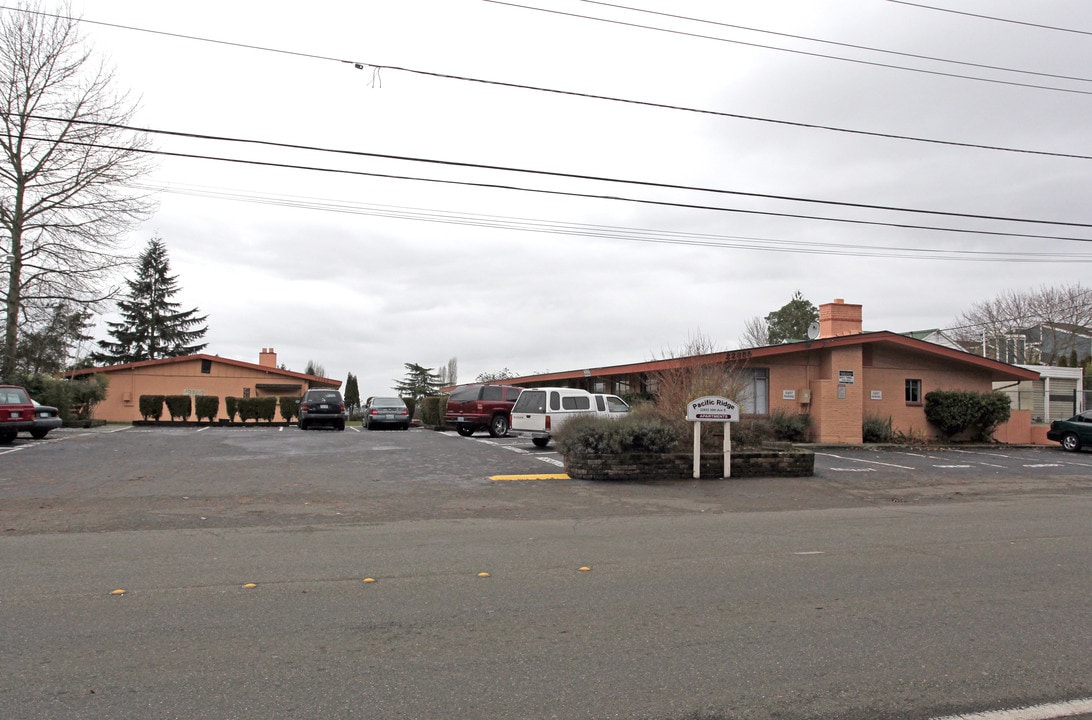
column 629, row 234
column 563, row 175
column 564, row 193
column 807, row 53
column 360, row 65
column 991, row 17
column 852, row 46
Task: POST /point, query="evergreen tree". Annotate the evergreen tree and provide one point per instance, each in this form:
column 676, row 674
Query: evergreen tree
column 352, row 393
column 152, row 326
column 792, row 320
column 47, row 346
column 419, row 382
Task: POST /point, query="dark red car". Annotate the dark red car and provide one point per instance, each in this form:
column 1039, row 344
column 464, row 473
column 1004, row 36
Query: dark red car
column 481, row 407
column 16, row 412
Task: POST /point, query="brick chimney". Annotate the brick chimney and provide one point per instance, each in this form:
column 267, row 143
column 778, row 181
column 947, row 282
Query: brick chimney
column 838, row 318
column 267, row 358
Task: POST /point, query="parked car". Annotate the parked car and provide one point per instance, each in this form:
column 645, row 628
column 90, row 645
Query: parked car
column 46, row 418
column 1074, row 433
column 16, row 412
column 539, row 412
column 481, row 407
column 322, row 407
column 380, row 411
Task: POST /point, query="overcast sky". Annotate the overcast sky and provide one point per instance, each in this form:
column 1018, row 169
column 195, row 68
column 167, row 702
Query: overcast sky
column 679, row 225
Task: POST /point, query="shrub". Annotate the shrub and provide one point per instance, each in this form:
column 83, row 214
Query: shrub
column 86, row 394
column 875, row 429
column 954, row 412
column 206, row 406
column 231, row 406
column 411, row 404
column 290, row 407
column 179, row 406
column 246, row 409
column 790, row 427
column 265, row 408
column 151, row 406
column 432, row 410
column 49, row 390
column 639, row 432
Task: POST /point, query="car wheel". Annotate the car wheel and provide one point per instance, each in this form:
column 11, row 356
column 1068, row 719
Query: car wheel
column 38, row 434
column 303, row 425
column 341, row 426
column 540, row 442
column 499, row 426
column 1071, row 442
column 7, row 437
column 465, row 430
column 405, row 426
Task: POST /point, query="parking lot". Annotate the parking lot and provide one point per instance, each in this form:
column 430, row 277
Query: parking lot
column 169, row 477
column 939, row 580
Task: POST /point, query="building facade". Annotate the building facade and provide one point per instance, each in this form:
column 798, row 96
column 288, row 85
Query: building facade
column 196, row 375
column 839, row 378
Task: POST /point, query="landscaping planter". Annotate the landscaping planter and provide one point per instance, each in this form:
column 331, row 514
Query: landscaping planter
column 680, row 466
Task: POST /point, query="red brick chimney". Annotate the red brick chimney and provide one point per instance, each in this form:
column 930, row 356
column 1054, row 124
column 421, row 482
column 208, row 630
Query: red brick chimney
column 267, row 358
column 838, row 318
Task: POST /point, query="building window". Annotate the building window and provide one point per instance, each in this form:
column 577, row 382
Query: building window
column 246, row 392
column 913, row 392
column 206, row 366
column 599, row 386
column 756, row 392
column 621, row 387
column 651, row 384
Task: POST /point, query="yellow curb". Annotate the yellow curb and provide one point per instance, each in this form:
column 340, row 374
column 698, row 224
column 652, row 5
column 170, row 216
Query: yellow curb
column 547, row 476
column 369, row 580
column 584, row 569
column 119, row 591
column 483, row 574
column 249, row 586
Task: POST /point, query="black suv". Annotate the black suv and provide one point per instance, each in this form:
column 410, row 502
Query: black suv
column 481, row 407
column 322, row 407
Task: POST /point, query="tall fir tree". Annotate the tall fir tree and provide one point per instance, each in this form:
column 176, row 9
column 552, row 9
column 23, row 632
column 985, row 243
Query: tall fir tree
column 152, row 325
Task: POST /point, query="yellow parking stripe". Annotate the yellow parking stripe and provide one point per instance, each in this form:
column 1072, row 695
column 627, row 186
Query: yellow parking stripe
column 540, row 476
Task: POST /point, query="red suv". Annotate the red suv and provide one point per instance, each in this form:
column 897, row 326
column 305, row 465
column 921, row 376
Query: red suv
column 481, row 407
column 16, row 412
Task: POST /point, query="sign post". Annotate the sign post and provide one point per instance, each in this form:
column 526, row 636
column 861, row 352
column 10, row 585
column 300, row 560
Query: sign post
column 712, row 408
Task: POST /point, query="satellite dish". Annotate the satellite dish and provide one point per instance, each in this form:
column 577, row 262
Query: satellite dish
column 813, row 331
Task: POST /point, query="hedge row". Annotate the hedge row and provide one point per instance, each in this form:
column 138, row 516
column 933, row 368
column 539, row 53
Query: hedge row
column 207, row 407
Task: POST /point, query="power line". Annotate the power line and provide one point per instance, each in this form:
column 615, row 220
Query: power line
column 566, row 176
column 617, row 198
column 629, row 234
column 991, row 17
column 807, row 53
column 851, row 46
column 570, row 93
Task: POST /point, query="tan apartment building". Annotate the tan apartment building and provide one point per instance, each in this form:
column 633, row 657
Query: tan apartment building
column 839, row 377
column 196, row 375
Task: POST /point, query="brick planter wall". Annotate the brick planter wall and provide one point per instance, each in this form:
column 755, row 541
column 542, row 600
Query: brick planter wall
column 680, row 466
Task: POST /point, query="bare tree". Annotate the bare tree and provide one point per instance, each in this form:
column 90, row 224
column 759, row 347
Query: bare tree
column 449, row 375
column 756, row 333
column 998, row 327
column 67, row 172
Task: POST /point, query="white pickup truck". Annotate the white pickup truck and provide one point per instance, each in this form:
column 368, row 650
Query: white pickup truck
column 539, row 412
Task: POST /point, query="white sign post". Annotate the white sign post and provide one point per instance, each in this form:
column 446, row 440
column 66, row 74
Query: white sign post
column 712, row 408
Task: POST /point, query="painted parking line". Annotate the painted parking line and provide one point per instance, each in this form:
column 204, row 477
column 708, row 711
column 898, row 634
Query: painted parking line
column 1046, row 711
column 870, row 462
column 539, row 476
